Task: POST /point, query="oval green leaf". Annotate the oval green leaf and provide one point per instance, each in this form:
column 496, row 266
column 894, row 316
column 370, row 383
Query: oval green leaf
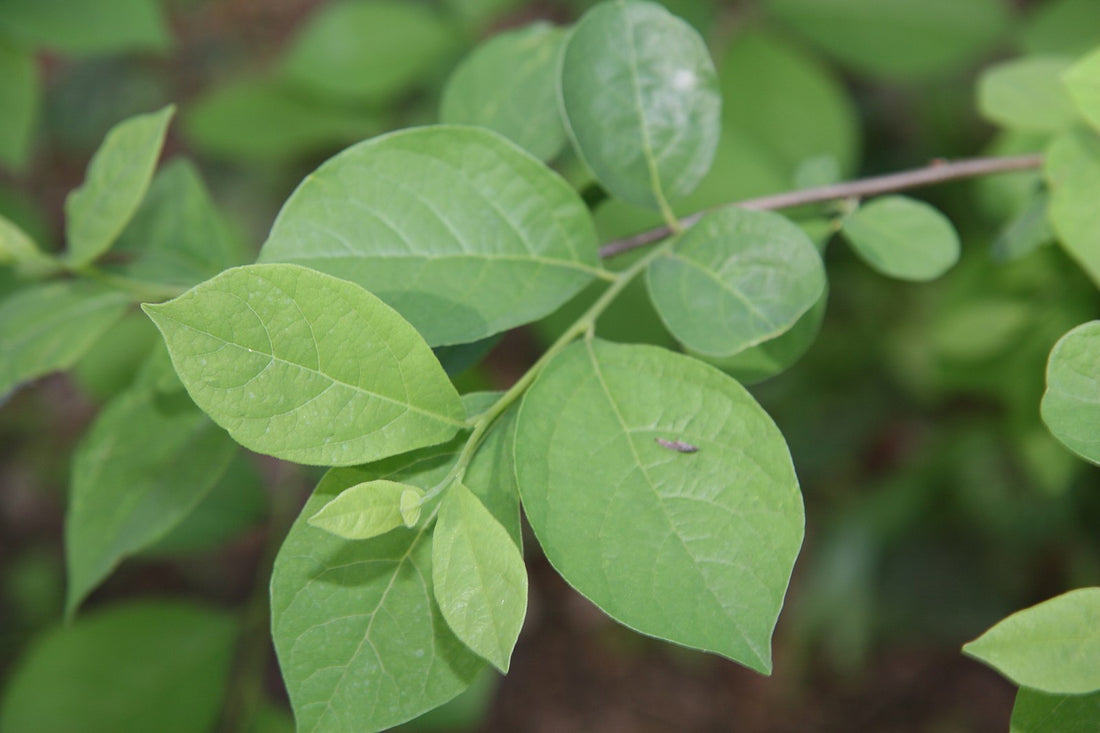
column 1071, row 403
column 1083, row 82
column 737, row 278
column 44, row 328
column 640, row 97
column 1053, row 646
column 1027, row 94
column 509, row 84
column 116, row 181
column 902, row 238
column 367, row 510
column 1040, row 712
column 459, row 230
column 128, row 491
column 306, row 367
column 87, row 676
column 479, row 578
column 660, row 490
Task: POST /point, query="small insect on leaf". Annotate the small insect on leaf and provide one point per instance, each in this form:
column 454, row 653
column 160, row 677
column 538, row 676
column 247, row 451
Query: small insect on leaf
column 677, row 445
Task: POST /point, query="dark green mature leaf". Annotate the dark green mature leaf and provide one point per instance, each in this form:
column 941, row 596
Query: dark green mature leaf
column 367, row 50
column 307, row 367
column 1052, row 647
column 812, row 118
column 105, row 26
column 1083, row 82
column 361, row 641
column 903, row 238
column 1040, row 712
column 145, row 464
column 366, row 510
column 510, row 84
column 479, row 578
column 1070, row 406
column 19, row 99
column 222, row 122
column 177, row 237
column 737, row 278
column 141, row 666
column 45, row 328
column 900, row 39
column 459, row 230
column 640, row 97
column 116, row 181
column 1061, row 26
column 1072, row 170
column 1027, row 94
column 660, row 490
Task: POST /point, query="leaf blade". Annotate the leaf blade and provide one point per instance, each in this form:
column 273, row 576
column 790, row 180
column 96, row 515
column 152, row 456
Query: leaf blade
column 1068, row 407
column 902, row 238
column 366, row 510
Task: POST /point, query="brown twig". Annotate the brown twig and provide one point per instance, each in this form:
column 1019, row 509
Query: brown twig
column 937, row 172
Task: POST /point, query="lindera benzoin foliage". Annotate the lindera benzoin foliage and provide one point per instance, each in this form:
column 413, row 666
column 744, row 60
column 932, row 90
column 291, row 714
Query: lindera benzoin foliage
column 653, row 481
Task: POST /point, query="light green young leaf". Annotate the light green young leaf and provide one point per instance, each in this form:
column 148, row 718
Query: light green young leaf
column 1083, row 82
column 367, row 510
column 46, row 328
column 1070, row 408
column 900, row 39
column 1027, row 94
column 19, row 94
column 902, row 238
column 367, row 50
column 478, row 576
column 771, row 357
column 361, row 641
column 459, row 230
column 139, row 666
column 812, row 118
column 306, row 367
column 1040, row 712
column 105, row 26
column 177, row 237
column 1052, row 647
column 509, row 84
column 660, row 490
column 1072, row 170
column 129, row 490
column 222, row 122
column 410, row 504
column 116, row 181
column 737, row 278
column 640, row 97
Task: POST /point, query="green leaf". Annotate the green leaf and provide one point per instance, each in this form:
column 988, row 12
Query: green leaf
column 902, row 238
column 46, row 328
column 509, row 84
column 460, row 231
column 222, row 122
column 19, row 92
column 361, row 641
column 367, row 510
column 691, row 539
column 1061, row 26
column 640, row 97
column 1026, row 232
column 813, row 117
column 1027, row 94
column 116, row 181
column 900, row 39
column 144, row 666
column 1039, row 712
column 1072, row 170
column 1052, row 647
column 1083, row 82
column 1071, row 403
column 737, row 278
column 306, row 367
column 18, row 249
column 367, row 50
column 105, row 26
column 177, row 237
column 479, row 578
column 128, row 489
column 765, row 360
